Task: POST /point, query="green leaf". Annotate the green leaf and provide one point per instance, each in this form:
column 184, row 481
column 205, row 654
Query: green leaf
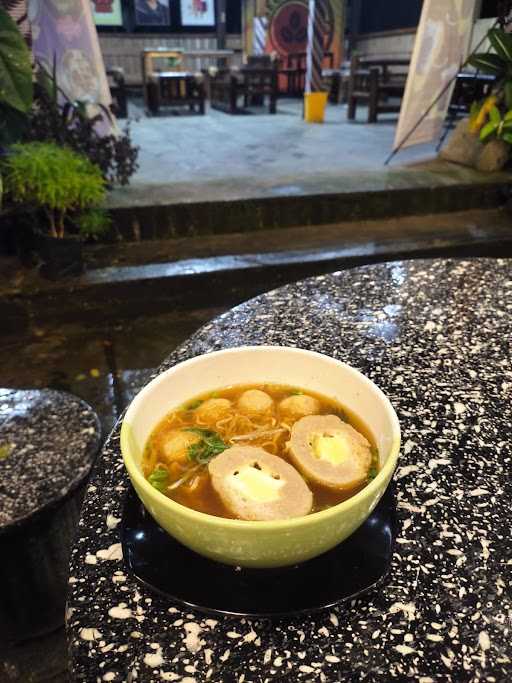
column 5, row 450
column 210, row 445
column 502, row 43
column 507, row 137
column 488, row 130
column 159, row 478
column 194, row 404
column 507, row 89
column 13, row 125
column 508, row 116
column 16, row 88
column 488, row 63
column 494, row 115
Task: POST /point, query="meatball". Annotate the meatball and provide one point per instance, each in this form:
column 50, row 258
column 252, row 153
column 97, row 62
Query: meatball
column 256, row 485
column 330, row 452
column 174, row 445
column 255, row 401
column 298, row 406
column 212, row 410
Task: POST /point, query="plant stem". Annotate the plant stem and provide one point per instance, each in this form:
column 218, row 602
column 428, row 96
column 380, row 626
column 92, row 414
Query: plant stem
column 51, row 218
column 61, row 223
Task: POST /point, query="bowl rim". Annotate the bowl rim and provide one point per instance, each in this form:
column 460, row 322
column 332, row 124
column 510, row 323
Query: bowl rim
column 203, row 518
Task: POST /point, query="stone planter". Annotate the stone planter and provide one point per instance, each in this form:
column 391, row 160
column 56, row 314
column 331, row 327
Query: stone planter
column 49, row 440
column 464, row 147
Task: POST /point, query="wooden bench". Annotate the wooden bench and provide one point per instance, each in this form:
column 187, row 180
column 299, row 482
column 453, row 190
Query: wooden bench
column 375, row 81
column 253, row 82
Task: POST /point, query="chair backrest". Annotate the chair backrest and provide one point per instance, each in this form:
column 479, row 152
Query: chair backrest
column 169, row 59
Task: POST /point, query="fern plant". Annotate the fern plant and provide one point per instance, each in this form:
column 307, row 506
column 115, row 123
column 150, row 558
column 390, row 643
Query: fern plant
column 54, row 179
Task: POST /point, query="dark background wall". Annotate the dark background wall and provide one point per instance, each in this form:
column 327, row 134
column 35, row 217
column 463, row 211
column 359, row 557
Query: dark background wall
column 388, row 15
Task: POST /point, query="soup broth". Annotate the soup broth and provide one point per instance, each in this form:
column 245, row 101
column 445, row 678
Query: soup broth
column 177, row 454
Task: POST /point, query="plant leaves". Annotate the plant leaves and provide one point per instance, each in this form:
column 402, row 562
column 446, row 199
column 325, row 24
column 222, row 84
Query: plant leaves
column 508, row 138
column 16, row 89
column 508, row 116
column 13, row 125
column 488, row 63
column 494, row 115
column 507, row 89
column 487, row 130
column 502, row 43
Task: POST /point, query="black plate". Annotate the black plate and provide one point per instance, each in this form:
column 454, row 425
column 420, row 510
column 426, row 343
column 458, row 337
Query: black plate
column 352, row 568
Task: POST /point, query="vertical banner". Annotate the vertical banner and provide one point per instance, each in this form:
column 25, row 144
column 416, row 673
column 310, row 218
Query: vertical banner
column 440, row 49
column 63, row 32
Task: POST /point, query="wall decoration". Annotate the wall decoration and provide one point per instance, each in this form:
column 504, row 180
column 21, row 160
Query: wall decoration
column 152, row 12
column 197, row 12
column 107, row 12
column 287, row 26
column 441, row 46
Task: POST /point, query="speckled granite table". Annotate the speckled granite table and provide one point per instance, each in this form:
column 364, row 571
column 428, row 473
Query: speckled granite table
column 435, row 335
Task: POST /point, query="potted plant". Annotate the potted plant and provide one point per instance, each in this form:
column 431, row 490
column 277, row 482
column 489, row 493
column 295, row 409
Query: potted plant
column 60, row 187
column 491, row 120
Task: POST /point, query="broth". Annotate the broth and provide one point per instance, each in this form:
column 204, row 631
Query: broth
column 193, row 420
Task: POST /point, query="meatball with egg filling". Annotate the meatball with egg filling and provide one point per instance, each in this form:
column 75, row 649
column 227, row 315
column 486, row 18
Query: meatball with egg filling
column 330, row 452
column 256, row 485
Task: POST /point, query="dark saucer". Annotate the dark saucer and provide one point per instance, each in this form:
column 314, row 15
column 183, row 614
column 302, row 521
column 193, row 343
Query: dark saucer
column 350, row 569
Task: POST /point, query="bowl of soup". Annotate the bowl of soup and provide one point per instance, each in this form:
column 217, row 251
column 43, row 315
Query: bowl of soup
column 260, row 456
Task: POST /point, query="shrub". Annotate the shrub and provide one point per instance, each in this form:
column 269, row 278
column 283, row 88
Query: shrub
column 52, row 178
column 55, row 118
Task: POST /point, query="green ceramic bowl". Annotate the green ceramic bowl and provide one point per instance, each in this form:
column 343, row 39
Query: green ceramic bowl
column 260, row 544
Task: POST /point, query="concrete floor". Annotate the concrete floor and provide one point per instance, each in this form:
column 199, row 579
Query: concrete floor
column 191, row 148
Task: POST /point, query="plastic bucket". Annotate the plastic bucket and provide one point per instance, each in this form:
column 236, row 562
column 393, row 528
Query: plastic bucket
column 314, row 107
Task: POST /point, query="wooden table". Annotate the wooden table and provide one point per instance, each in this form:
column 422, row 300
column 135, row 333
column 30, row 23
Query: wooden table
column 175, row 89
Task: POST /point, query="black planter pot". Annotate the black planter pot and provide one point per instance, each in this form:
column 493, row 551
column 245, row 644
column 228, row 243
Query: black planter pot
column 61, row 257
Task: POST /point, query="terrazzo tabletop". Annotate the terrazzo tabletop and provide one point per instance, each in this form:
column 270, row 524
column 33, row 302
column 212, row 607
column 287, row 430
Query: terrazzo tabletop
column 435, row 336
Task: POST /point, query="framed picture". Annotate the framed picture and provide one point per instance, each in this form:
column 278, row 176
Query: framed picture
column 152, row 12
column 198, row 12
column 107, row 12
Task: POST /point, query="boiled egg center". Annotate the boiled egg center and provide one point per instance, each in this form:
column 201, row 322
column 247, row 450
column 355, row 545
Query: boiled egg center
column 332, row 447
column 256, row 484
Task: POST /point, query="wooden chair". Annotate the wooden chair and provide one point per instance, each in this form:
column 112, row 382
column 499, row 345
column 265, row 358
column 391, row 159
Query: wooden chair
column 375, row 81
column 251, row 83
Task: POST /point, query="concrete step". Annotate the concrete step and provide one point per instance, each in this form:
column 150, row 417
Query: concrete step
column 224, row 280
column 233, row 205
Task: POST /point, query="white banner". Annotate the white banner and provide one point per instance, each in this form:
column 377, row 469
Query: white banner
column 440, row 49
